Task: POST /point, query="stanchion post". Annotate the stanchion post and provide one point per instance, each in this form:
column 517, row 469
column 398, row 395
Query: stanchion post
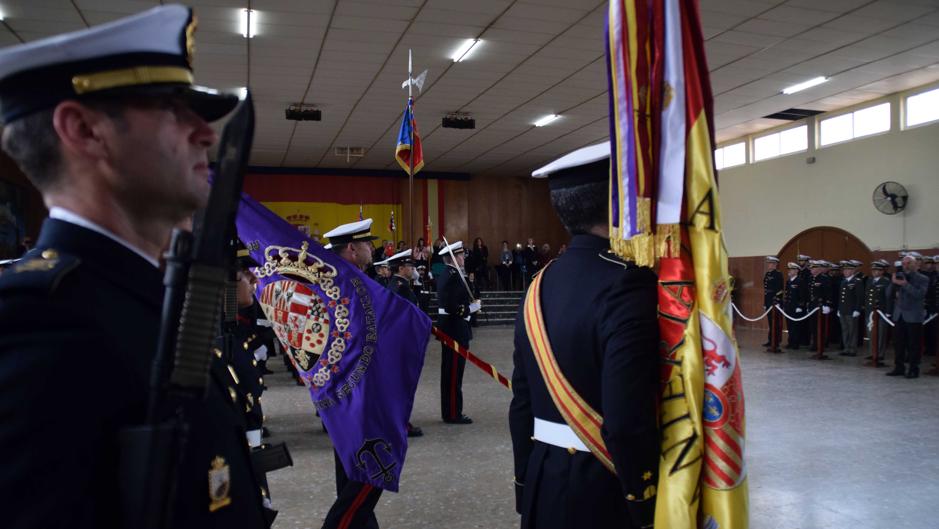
column 773, row 328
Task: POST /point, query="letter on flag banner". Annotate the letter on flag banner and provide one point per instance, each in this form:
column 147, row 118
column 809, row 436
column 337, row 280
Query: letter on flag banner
column 656, row 62
column 358, row 347
column 405, row 151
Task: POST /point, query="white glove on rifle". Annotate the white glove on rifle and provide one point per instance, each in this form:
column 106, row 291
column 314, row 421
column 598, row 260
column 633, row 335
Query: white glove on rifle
column 826, row 310
column 476, row 306
column 798, row 310
column 855, row 314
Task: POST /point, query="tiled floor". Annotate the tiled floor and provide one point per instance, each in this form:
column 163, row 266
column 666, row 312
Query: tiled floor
column 830, row 445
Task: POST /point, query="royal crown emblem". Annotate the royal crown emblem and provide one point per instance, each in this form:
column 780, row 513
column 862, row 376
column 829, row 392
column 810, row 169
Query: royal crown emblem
column 311, row 318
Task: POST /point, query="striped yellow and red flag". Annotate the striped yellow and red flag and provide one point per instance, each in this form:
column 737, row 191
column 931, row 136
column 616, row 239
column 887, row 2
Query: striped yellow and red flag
column 702, row 475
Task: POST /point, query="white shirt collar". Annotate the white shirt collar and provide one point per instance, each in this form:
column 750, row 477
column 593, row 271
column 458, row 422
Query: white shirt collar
column 76, row 219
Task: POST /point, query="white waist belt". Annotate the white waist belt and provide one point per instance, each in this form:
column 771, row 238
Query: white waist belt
column 443, row 312
column 560, row 435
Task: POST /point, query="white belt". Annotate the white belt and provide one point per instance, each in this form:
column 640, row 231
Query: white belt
column 443, row 312
column 560, row 435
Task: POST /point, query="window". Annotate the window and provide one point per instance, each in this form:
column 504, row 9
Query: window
column 922, row 108
column 784, row 142
column 857, row 124
column 730, row 155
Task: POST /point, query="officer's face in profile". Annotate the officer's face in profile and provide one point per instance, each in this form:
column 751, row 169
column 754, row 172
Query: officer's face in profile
column 877, row 272
column 363, row 253
column 245, row 289
column 770, row 265
column 159, row 154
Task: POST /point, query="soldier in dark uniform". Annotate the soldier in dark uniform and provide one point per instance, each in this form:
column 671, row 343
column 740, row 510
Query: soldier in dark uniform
column 795, row 300
column 382, row 273
column 456, row 309
column 877, row 300
column 402, row 269
column 862, row 277
column 931, row 329
column 835, row 276
column 850, row 303
column 106, row 123
column 355, row 503
column 772, row 292
column 820, row 298
column 805, row 270
column 245, row 346
column 600, row 316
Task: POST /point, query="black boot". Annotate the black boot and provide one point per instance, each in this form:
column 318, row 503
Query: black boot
column 913, row 372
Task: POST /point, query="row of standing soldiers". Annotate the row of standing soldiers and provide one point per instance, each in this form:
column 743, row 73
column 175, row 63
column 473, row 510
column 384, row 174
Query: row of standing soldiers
column 845, row 298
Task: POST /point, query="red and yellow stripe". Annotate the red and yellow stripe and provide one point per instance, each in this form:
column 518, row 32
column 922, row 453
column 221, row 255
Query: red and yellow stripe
column 488, row 368
column 577, row 413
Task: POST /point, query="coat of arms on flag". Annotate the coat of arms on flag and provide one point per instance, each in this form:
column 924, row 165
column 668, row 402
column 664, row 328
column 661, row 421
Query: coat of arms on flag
column 358, row 347
column 665, row 212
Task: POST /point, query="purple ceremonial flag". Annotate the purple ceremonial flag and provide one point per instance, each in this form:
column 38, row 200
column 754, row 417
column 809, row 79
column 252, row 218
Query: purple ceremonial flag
column 358, row 347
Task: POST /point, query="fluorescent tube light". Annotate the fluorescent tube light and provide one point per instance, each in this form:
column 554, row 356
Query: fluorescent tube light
column 804, row 85
column 249, row 23
column 465, row 50
column 545, row 120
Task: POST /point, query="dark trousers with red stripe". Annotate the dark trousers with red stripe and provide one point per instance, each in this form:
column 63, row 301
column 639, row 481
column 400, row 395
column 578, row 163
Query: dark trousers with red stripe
column 354, row 507
column 451, row 383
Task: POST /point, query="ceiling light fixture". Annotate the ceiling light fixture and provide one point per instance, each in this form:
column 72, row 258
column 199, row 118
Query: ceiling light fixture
column 249, row 23
column 465, row 49
column 804, row 85
column 545, row 120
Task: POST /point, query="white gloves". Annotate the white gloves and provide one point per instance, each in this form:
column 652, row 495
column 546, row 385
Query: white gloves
column 855, row 314
column 826, row 310
column 798, row 310
column 476, row 306
column 260, row 354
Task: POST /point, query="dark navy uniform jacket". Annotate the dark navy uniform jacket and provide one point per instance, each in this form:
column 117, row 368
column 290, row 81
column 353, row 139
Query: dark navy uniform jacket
column 600, row 315
column 820, row 291
column 453, row 297
column 796, row 295
column 772, row 286
column 402, row 287
column 79, row 319
column 851, row 296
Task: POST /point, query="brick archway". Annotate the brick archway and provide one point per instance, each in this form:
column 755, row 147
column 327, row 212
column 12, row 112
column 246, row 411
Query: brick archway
column 826, row 242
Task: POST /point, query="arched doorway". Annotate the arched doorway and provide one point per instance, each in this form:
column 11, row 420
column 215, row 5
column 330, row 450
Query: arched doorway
column 826, row 242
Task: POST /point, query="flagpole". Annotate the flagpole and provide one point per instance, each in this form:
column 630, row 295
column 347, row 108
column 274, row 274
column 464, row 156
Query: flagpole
column 410, row 159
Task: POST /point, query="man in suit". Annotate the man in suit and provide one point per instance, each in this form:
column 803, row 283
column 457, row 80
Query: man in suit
column 850, row 303
column 909, row 286
column 456, row 308
column 772, row 291
column 794, row 302
column 877, row 301
column 599, row 322
column 108, row 126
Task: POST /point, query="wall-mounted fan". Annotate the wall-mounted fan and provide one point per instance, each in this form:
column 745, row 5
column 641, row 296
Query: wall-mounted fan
column 890, row 198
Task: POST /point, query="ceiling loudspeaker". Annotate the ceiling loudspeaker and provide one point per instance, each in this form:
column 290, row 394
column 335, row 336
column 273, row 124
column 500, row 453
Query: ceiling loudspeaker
column 299, row 112
column 458, row 120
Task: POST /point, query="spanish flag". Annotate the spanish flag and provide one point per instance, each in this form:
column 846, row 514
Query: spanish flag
column 408, row 152
column 662, row 135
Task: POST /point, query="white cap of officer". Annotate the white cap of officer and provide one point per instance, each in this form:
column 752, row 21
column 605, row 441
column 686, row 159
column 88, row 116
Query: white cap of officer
column 148, row 54
column 360, row 230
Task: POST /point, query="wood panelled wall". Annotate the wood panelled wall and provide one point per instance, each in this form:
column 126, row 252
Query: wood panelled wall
column 496, row 209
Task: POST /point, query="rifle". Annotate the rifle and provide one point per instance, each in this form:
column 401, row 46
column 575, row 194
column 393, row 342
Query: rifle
column 196, row 273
